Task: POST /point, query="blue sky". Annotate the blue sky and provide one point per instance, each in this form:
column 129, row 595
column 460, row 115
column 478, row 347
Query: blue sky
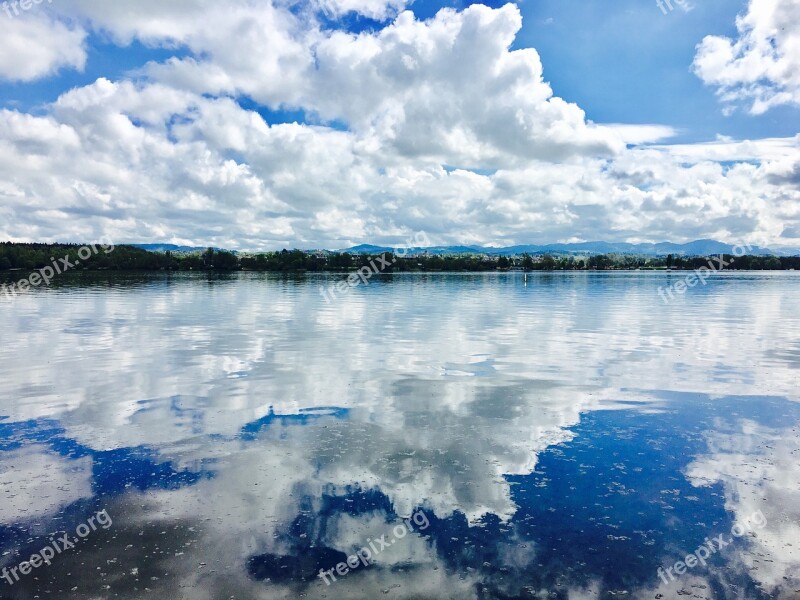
column 444, row 117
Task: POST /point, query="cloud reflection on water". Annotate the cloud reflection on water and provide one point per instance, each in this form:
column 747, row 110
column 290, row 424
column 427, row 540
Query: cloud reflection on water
column 443, row 394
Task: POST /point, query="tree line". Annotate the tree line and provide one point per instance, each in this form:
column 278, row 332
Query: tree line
column 29, row 257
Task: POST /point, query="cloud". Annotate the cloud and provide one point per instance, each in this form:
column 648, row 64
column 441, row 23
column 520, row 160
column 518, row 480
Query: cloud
column 754, row 465
column 728, row 150
column 450, row 89
column 272, row 70
column 435, row 125
column 642, row 134
column 39, row 483
column 35, row 46
column 761, row 67
column 148, row 162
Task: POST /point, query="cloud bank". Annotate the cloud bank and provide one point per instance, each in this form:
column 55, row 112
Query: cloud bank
column 272, row 125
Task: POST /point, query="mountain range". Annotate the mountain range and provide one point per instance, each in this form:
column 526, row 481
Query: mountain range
column 696, row 248
column 170, row 248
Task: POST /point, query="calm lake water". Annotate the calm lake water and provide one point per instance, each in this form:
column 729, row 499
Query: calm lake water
column 453, row 436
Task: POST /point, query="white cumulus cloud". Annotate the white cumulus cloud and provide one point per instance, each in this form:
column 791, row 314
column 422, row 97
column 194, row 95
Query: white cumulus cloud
column 761, row 67
column 35, row 46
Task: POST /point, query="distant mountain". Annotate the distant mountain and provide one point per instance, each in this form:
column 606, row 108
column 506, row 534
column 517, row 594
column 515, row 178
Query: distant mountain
column 786, row 251
column 170, row 248
column 696, row 248
column 370, row 249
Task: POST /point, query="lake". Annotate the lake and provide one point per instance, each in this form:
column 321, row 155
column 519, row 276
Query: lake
column 465, row 436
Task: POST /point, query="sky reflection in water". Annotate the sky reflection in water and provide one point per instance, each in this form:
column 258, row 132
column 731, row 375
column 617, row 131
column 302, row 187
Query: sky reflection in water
column 566, row 435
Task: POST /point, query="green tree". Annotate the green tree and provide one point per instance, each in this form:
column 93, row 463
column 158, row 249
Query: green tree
column 547, row 263
column 527, row 262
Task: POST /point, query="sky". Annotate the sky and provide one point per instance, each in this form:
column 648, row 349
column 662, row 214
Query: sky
column 264, row 124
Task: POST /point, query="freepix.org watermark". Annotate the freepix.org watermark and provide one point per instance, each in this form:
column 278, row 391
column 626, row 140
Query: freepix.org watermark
column 376, row 266
column 712, row 546
column 366, row 554
column 57, row 267
column 666, row 5
column 20, row 5
column 701, row 275
column 56, row 547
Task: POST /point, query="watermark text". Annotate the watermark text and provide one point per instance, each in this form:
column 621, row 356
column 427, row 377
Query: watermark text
column 56, row 547
column 711, row 546
column 370, row 550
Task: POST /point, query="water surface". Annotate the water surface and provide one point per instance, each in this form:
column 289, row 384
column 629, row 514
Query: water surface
column 558, row 435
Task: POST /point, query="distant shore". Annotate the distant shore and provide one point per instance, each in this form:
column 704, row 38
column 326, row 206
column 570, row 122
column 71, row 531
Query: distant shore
column 19, row 259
